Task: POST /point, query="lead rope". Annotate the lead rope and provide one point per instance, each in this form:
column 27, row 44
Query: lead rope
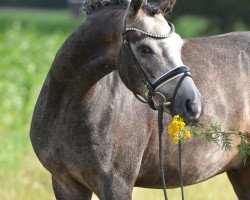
column 180, row 168
column 160, row 128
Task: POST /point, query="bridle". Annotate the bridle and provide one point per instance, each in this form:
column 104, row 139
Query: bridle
column 153, row 93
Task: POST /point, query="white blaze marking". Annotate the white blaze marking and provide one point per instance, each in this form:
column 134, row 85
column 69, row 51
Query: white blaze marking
column 174, row 46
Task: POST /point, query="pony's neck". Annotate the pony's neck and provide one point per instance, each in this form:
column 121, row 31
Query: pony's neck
column 89, row 53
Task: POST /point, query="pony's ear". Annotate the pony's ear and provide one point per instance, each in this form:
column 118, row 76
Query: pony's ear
column 167, row 5
column 134, row 7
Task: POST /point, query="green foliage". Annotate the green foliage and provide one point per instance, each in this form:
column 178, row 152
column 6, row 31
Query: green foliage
column 29, row 40
column 28, row 46
column 214, row 134
column 35, row 21
column 244, row 147
column 200, row 26
column 35, row 3
column 223, row 13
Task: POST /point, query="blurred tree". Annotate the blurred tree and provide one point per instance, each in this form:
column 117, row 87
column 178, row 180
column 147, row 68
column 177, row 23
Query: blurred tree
column 224, row 13
column 35, row 3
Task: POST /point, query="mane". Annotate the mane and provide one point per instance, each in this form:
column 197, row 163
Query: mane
column 91, row 5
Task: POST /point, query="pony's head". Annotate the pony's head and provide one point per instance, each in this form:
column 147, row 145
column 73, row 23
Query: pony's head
column 150, row 64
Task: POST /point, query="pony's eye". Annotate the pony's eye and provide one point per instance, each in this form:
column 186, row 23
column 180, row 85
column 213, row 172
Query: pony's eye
column 144, row 49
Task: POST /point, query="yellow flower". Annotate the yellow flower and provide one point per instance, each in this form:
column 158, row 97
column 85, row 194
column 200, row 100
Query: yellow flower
column 181, row 125
column 176, row 129
column 176, row 117
column 187, row 134
column 175, row 140
column 176, row 125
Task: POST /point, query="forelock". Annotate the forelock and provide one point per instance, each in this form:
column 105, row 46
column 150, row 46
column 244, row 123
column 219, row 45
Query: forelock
column 151, row 9
column 89, row 6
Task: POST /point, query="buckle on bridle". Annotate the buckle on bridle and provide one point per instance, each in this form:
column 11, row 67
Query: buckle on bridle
column 155, row 98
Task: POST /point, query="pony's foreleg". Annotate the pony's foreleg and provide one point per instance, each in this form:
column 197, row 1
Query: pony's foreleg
column 240, row 179
column 66, row 188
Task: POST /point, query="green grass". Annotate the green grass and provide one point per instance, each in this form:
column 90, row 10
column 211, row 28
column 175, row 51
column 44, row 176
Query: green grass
column 217, row 188
column 29, row 40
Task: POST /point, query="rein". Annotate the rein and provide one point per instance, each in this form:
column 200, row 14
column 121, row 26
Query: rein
column 153, row 93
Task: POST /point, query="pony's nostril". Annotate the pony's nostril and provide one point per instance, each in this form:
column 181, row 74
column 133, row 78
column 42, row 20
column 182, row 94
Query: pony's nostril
column 191, row 107
column 188, row 105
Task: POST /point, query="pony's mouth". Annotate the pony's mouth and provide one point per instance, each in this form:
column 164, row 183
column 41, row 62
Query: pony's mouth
column 190, row 115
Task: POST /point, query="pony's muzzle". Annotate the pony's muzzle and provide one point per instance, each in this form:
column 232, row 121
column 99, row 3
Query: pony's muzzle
column 194, row 108
column 189, row 102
